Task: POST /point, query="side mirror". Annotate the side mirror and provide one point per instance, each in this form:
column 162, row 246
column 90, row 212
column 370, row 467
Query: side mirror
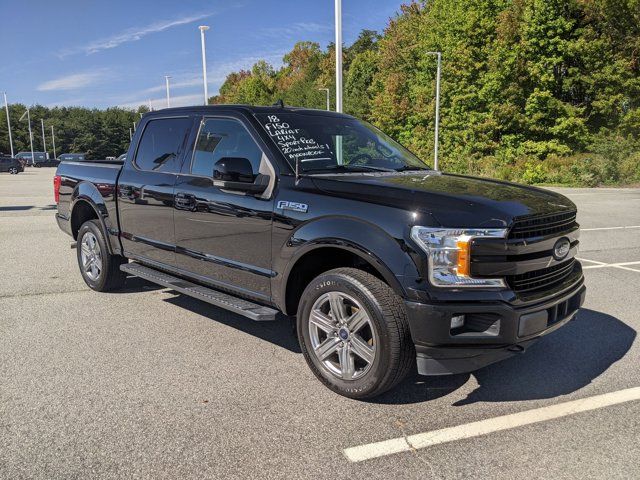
column 233, row 169
column 234, row 173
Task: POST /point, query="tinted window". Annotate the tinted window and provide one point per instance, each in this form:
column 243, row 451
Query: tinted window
column 221, row 138
column 159, row 148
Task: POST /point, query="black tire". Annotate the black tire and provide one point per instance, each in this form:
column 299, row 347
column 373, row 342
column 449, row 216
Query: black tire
column 13, row 171
column 37, row 165
column 110, row 276
column 394, row 349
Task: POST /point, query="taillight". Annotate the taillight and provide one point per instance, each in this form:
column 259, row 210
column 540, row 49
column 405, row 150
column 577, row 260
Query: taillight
column 56, row 187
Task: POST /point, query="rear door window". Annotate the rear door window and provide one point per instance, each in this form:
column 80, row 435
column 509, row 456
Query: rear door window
column 161, row 144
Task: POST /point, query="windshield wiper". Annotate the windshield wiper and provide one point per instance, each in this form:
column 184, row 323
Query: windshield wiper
column 350, row 168
column 408, row 168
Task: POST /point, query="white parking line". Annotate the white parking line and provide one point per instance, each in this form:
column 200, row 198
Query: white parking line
column 621, row 265
column 490, row 425
column 609, row 228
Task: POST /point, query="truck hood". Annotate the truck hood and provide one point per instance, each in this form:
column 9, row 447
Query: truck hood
column 452, row 200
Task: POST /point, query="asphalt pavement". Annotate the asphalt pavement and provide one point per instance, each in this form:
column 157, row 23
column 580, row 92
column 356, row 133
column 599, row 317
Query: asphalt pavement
column 146, row 383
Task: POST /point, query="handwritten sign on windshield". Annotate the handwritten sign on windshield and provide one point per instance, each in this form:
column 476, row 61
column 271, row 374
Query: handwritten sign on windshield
column 295, row 143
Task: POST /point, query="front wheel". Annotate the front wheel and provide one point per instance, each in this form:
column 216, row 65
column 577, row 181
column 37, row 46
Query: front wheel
column 13, row 171
column 354, row 334
column 100, row 270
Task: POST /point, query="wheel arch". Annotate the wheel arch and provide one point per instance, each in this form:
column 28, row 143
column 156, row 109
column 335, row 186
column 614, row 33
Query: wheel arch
column 87, row 204
column 334, row 242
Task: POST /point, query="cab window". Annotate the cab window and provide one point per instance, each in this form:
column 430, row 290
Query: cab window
column 161, row 143
column 221, row 138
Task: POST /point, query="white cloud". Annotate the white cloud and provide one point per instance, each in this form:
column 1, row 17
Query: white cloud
column 132, row 35
column 159, row 103
column 217, row 74
column 72, row 82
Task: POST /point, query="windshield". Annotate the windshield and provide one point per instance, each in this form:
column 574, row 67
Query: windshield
column 324, row 144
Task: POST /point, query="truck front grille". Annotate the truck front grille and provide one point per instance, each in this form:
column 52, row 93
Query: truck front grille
column 543, row 225
column 541, row 279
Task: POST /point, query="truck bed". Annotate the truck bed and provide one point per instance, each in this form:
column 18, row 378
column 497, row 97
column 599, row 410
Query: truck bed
column 93, row 181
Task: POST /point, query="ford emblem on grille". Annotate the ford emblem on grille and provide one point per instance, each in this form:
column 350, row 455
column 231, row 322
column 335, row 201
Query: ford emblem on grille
column 561, row 249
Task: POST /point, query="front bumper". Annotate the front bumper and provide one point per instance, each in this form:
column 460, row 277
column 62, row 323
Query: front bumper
column 492, row 331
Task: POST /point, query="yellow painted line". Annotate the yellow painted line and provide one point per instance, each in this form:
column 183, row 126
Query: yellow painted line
column 490, row 425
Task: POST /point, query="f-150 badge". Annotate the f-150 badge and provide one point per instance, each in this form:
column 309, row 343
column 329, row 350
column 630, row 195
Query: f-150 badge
column 295, row 206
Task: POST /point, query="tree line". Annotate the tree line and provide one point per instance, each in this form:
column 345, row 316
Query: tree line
column 532, row 90
column 97, row 133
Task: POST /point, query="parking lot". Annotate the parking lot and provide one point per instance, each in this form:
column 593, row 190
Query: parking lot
column 147, row 383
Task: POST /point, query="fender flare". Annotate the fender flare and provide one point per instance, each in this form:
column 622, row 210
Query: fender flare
column 383, row 252
column 87, row 192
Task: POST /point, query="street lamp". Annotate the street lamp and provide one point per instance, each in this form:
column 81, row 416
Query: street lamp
column 166, row 81
column 437, row 122
column 326, row 90
column 338, row 13
column 33, row 159
column 204, row 28
column 44, row 141
column 6, row 107
column 53, row 140
column 338, row 9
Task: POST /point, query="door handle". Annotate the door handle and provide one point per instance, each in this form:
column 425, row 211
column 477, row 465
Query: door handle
column 184, row 200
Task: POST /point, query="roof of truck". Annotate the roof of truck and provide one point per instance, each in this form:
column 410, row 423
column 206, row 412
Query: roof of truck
column 248, row 109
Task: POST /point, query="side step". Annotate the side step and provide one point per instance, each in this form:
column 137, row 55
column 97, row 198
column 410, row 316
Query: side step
column 248, row 309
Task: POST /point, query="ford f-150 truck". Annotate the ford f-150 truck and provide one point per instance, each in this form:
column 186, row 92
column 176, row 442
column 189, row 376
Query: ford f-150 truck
column 381, row 262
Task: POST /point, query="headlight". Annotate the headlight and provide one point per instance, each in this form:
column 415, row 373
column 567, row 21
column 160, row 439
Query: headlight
column 449, row 254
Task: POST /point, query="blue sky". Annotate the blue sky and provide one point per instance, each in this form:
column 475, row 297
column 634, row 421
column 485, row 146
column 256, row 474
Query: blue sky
column 107, row 53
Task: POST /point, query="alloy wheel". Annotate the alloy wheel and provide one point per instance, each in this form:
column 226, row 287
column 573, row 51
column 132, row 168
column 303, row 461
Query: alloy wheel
column 342, row 335
column 91, row 256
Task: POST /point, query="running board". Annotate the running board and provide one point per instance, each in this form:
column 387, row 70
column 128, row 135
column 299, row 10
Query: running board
column 258, row 313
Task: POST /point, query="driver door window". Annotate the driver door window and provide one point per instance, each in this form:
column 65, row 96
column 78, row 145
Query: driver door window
column 222, row 138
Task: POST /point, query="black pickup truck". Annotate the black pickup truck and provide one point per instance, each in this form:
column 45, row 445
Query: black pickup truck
column 381, row 261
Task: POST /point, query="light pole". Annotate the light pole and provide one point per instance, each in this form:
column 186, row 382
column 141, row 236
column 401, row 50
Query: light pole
column 44, row 141
column 338, row 46
column 204, row 28
column 6, row 107
column 338, row 9
column 326, row 90
column 437, row 122
column 53, row 140
column 33, row 160
column 166, row 81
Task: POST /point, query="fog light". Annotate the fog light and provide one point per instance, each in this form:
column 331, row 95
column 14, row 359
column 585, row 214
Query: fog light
column 457, row 321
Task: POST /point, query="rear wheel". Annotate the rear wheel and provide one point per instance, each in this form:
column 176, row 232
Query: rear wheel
column 13, row 170
column 354, row 334
column 100, row 270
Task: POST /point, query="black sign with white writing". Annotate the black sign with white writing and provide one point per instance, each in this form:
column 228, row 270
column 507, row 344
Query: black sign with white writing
column 294, row 143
